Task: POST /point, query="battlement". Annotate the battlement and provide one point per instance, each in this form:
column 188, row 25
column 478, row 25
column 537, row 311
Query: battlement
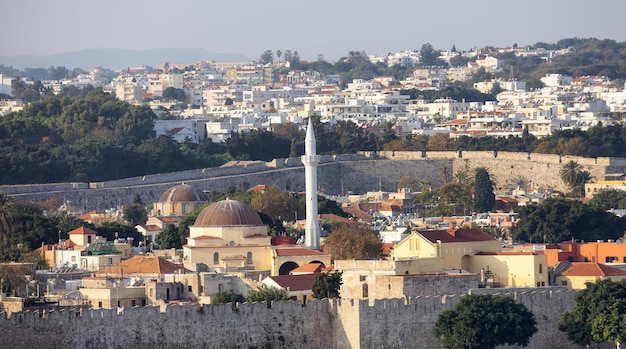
column 324, row 323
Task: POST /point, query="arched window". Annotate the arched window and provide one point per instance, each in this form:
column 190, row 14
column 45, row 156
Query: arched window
column 216, row 258
column 249, row 258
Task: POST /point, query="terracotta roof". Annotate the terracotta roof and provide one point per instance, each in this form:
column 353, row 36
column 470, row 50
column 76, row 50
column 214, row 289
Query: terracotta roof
column 356, row 212
column 296, row 251
column 461, row 235
column 592, row 269
column 308, row 268
column 295, row 282
column 150, row 227
column 83, row 231
column 258, row 187
column 144, row 265
column 283, row 240
column 256, row 236
column 87, row 215
column 334, row 218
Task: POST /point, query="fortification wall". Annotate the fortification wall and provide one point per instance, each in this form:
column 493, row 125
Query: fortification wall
column 337, row 174
column 346, row 323
column 286, row 325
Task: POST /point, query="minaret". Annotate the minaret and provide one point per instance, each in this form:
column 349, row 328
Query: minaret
column 310, row 159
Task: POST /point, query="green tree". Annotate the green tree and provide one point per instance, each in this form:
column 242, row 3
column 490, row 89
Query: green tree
column 484, row 197
column 266, row 57
column 569, row 173
column 485, row 321
column 228, row 297
column 7, row 217
column 606, row 199
column 176, row 94
column 407, row 182
column 559, row 219
column 135, row 214
column 266, row 294
column 169, row 237
column 598, row 315
column 326, row 285
column 349, row 241
column 429, row 56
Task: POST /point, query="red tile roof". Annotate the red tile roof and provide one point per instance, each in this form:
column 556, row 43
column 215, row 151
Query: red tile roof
column 592, row 269
column 144, row 265
column 83, row 231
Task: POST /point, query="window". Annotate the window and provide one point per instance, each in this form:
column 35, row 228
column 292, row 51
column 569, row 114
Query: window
column 88, row 239
column 540, row 268
column 99, row 304
column 365, row 291
column 220, row 287
column 216, row 258
column 362, row 277
column 110, row 261
column 538, row 283
column 143, row 302
column 133, row 302
column 610, row 259
column 249, row 258
column 189, row 288
column 564, row 283
column 593, row 259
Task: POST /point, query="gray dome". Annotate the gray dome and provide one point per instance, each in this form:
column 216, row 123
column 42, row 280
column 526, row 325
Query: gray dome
column 182, row 193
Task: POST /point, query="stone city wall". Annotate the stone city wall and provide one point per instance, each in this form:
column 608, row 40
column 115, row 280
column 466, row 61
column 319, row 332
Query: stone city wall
column 345, row 323
column 337, row 174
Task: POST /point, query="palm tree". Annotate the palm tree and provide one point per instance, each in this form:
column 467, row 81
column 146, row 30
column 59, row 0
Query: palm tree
column 443, row 173
column 7, row 217
column 569, row 173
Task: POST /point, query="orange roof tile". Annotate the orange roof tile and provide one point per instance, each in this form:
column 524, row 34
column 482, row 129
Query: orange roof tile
column 144, row 265
column 308, row 268
column 82, row 231
column 592, row 269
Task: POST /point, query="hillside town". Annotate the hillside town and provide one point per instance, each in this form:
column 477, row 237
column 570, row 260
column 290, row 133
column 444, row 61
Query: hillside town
column 231, row 250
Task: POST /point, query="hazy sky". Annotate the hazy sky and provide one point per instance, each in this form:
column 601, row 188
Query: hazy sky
column 332, row 28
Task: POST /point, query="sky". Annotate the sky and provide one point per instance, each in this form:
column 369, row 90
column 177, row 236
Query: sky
column 330, row 28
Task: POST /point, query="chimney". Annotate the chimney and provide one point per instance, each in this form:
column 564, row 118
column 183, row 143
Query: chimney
column 451, row 229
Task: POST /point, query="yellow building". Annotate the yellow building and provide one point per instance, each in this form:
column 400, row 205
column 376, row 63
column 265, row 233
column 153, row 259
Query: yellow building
column 454, row 246
column 229, row 236
column 511, row 269
column 579, row 273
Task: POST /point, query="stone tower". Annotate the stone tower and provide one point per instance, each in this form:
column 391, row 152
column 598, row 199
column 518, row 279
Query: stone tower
column 310, row 159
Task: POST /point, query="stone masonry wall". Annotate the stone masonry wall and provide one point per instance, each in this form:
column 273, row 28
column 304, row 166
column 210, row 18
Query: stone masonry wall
column 336, row 175
column 345, row 323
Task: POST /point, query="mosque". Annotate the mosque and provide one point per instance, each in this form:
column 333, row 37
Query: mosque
column 229, row 236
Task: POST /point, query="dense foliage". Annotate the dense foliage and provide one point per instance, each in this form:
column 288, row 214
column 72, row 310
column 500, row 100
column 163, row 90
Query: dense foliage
column 485, row 321
column 558, row 219
column 350, row 241
column 326, row 285
column 598, row 315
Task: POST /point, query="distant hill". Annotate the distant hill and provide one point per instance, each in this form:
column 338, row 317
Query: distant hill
column 116, row 58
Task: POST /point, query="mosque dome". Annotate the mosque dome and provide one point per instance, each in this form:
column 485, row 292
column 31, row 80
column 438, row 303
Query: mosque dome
column 228, row 213
column 182, row 193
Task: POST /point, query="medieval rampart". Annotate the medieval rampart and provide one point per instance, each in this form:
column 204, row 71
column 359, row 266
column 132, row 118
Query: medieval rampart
column 348, row 323
column 338, row 174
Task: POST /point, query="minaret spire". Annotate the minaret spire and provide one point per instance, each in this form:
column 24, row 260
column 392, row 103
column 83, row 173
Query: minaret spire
column 310, row 159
